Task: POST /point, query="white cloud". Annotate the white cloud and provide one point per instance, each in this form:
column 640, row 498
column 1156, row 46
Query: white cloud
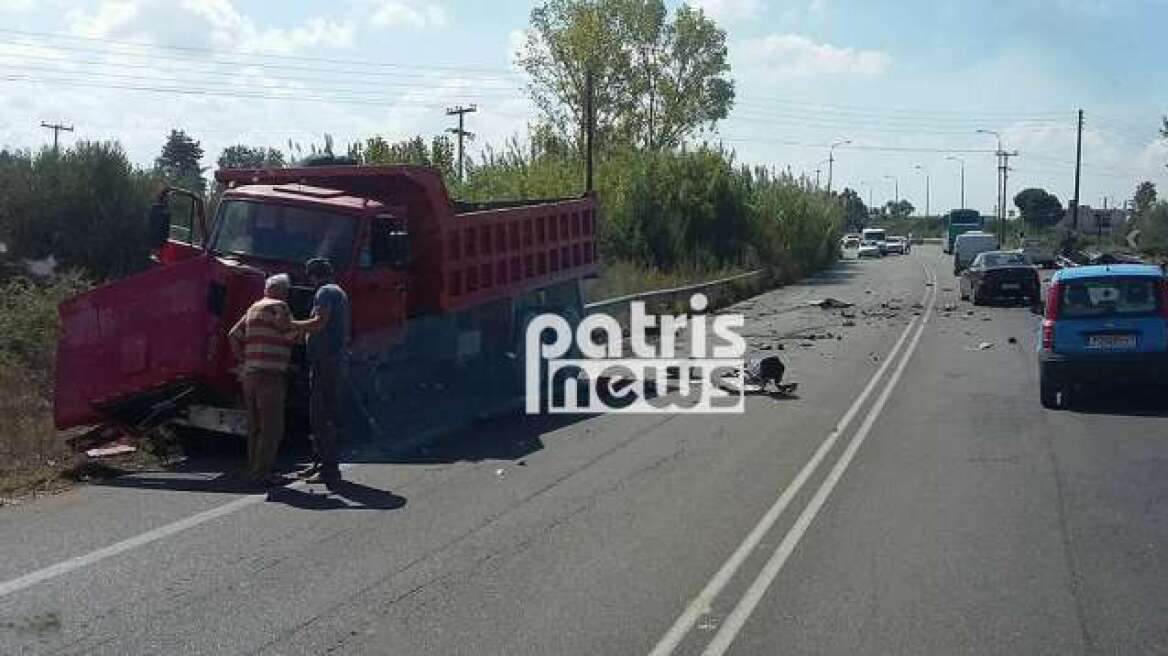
column 406, row 13
column 109, row 16
column 232, row 29
column 16, row 5
column 794, row 55
column 729, row 10
column 817, row 7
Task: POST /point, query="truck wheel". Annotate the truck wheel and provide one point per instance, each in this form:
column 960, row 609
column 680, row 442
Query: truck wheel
column 1048, row 393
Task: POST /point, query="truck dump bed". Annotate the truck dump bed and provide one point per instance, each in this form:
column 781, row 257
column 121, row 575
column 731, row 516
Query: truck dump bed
column 462, row 254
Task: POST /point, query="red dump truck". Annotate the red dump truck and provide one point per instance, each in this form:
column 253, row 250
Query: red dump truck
column 441, row 292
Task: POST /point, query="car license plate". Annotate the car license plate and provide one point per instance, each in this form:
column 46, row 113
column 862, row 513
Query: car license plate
column 1012, row 286
column 1112, row 341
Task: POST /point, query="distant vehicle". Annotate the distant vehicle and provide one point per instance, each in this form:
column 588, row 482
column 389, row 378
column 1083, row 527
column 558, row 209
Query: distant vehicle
column 898, row 245
column 958, row 222
column 851, row 241
column 1103, row 324
column 876, row 237
column 869, row 250
column 968, row 245
column 1038, row 253
column 915, row 239
column 998, row 276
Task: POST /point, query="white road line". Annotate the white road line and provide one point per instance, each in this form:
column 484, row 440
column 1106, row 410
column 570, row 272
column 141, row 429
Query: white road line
column 702, row 603
column 737, row 618
column 72, row 564
column 153, row 535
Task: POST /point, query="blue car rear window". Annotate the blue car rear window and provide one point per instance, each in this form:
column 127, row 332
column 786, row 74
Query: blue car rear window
column 1108, row 297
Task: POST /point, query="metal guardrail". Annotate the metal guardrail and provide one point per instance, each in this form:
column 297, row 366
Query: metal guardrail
column 659, row 294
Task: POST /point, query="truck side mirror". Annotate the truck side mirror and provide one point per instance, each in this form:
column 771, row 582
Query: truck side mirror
column 159, row 225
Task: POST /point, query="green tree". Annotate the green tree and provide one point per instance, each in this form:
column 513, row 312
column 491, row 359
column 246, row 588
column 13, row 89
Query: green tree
column 1143, row 201
column 180, row 162
column 855, row 212
column 439, row 153
column 1039, row 208
column 1154, row 229
column 248, row 157
column 656, row 81
column 899, row 209
column 84, row 206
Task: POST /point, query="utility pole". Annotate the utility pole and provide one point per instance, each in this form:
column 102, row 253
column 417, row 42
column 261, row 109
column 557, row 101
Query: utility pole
column 1078, row 170
column 1005, row 190
column 589, row 128
column 57, row 129
column 461, row 112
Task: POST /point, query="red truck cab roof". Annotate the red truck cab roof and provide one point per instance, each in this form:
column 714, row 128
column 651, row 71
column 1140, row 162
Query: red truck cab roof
column 301, row 194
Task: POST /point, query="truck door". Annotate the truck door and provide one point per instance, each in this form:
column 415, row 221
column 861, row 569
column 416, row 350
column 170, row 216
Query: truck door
column 379, row 287
column 180, row 225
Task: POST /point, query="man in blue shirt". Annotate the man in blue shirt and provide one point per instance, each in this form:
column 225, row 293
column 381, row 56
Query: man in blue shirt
column 328, row 342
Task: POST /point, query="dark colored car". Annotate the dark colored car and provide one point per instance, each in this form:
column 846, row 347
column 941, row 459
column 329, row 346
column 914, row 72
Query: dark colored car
column 1104, row 324
column 1000, row 276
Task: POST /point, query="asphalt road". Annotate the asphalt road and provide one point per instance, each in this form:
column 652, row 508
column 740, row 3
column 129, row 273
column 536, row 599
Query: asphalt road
column 913, row 498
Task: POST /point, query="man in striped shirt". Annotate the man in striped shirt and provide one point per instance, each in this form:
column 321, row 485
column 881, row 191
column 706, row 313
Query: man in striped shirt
column 262, row 340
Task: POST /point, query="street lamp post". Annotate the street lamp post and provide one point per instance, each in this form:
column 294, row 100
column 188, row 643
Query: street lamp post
column 927, row 186
column 895, row 187
column 958, row 159
column 831, row 160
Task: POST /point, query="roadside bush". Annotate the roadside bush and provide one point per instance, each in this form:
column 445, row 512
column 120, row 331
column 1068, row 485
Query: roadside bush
column 677, row 211
column 84, row 206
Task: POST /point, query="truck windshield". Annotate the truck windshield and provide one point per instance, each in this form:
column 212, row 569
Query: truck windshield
column 283, row 233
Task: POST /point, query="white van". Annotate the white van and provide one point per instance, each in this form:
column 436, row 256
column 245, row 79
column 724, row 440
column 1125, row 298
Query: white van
column 875, row 237
column 969, row 245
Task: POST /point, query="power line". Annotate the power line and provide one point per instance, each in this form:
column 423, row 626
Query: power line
column 377, row 92
column 196, row 91
column 384, row 78
column 242, row 53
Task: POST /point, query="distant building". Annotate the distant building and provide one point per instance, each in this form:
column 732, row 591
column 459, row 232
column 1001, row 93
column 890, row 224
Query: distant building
column 1095, row 221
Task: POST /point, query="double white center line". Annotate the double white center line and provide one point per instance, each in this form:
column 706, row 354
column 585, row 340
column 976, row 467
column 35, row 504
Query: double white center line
column 703, row 602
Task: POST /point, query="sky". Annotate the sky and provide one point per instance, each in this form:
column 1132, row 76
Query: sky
column 906, row 83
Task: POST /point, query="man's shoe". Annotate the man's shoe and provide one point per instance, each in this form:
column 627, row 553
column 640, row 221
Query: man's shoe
column 308, row 472
column 324, row 475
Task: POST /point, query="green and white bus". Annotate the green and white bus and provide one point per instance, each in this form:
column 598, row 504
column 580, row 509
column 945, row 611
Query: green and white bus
column 959, row 221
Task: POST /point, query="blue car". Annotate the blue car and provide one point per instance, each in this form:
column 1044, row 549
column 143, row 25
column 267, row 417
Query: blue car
column 1103, row 324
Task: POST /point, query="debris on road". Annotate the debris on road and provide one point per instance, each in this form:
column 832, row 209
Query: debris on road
column 830, row 303
column 1013, row 340
column 848, row 314
column 499, row 472
column 110, row 451
column 948, row 307
column 849, row 323
column 984, row 346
